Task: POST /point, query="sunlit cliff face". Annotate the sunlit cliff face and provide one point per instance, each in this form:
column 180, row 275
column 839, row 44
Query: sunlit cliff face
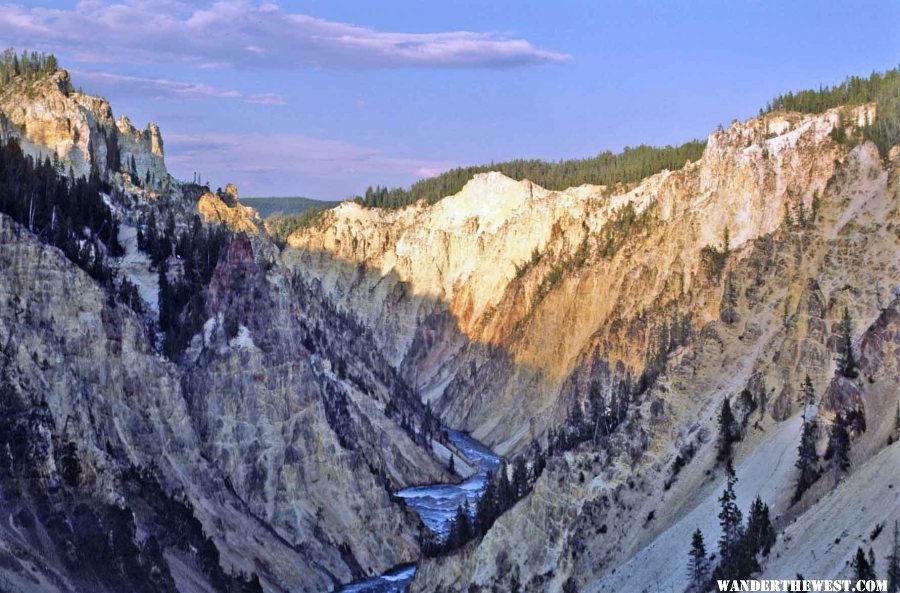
column 521, row 269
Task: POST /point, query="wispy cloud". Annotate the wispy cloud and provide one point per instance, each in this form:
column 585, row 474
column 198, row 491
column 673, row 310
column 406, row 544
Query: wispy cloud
column 245, row 33
column 161, row 87
column 264, row 161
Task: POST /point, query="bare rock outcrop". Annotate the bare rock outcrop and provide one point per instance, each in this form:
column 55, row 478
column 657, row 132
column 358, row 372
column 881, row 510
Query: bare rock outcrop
column 53, row 120
column 225, row 208
column 532, row 281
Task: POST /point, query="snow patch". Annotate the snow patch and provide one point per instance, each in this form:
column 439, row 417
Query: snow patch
column 243, row 339
column 209, row 328
column 135, row 265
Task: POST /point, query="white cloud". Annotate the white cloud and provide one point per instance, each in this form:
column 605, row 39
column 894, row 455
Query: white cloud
column 151, row 87
column 244, row 33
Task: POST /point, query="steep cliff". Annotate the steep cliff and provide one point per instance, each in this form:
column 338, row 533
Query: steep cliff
column 620, row 515
column 53, row 120
column 288, row 483
column 261, row 453
column 225, row 208
column 490, row 299
column 247, row 432
column 727, row 277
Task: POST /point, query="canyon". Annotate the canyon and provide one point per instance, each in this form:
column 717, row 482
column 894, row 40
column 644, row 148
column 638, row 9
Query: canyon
column 281, row 425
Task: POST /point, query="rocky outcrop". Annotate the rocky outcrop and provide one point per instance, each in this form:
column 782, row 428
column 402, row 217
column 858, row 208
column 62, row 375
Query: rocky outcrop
column 270, row 444
column 286, row 408
column 278, row 429
column 595, row 288
column 74, row 429
column 620, row 515
column 226, row 209
column 53, row 120
column 143, row 149
column 529, row 282
column 285, row 465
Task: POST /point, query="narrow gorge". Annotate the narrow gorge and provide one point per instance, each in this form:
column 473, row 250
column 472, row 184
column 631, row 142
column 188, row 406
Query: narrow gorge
column 500, row 388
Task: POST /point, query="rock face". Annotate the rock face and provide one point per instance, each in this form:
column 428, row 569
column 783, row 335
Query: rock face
column 216, row 209
column 309, row 449
column 269, row 447
column 284, row 465
column 587, row 289
column 270, row 444
column 50, row 118
column 493, row 276
column 85, row 424
column 142, row 147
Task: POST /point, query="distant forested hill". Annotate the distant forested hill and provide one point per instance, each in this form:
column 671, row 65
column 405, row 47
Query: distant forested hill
column 607, row 168
column 268, row 207
column 882, row 88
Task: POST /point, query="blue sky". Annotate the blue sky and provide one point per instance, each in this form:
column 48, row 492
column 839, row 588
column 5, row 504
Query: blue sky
column 322, row 98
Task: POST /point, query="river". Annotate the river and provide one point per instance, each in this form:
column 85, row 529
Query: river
column 436, row 504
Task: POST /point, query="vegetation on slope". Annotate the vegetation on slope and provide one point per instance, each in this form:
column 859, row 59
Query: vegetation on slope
column 634, row 164
column 883, row 89
column 284, row 207
column 184, row 277
column 69, row 213
column 281, row 227
column 283, row 216
column 134, row 545
column 30, row 65
column 607, row 168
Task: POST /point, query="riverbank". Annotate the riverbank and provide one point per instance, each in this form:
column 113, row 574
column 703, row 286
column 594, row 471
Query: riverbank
column 436, row 505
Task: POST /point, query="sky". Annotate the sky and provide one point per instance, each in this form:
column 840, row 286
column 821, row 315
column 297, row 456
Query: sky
column 322, row 98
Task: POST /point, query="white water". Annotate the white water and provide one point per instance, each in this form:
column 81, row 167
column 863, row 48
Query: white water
column 395, row 581
column 436, row 504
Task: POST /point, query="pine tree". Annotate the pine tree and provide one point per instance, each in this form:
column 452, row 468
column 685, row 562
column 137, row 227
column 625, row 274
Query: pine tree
column 452, row 467
column 788, row 221
column 730, row 542
column 838, row 451
column 729, row 301
column 727, row 431
column 486, row 511
column 460, row 527
column 760, row 532
column 862, row 568
column 151, row 238
column 893, row 563
column 698, row 565
column 762, row 399
column 801, row 213
column 846, row 360
column 872, row 560
column 807, row 395
column 466, row 531
column 540, row 462
column 807, row 459
column 505, row 494
column 164, row 298
column 896, row 424
column 520, row 478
